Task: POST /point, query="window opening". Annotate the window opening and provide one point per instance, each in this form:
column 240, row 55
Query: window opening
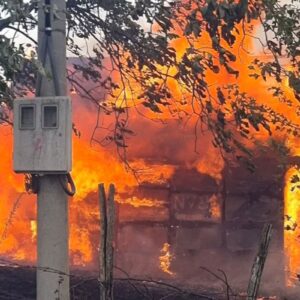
column 50, row 116
column 27, row 117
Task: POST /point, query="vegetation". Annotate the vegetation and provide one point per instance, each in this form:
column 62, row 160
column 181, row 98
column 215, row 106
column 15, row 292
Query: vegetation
column 135, row 40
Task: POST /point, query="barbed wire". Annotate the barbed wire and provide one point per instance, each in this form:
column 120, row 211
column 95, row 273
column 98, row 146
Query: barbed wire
column 10, row 217
column 136, row 283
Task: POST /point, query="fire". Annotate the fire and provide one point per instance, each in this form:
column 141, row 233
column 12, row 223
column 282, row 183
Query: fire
column 165, row 259
column 33, row 227
column 214, row 169
column 292, row 228
column 155, row 152
column 215, row 207
column 155, row 174
column 92, row 167
column 136, row 202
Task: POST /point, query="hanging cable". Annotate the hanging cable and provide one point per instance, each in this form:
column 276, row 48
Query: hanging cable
column 66, row 181
column 47, row 49
column 43, row 62
column 53, row 69
column 44, row 43
column 47, row 9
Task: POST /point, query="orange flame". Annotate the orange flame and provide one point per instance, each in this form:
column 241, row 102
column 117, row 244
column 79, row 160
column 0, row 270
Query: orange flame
column 159, row 144
column 292, row 228
column 165, row 259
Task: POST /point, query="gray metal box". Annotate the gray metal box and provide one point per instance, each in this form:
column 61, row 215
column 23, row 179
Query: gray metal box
column 42, row 135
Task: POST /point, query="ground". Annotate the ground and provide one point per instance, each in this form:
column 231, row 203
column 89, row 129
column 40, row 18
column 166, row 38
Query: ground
column 20, row 284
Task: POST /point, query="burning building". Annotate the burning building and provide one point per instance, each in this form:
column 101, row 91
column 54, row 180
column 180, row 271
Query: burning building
column 181, row 212
column 199, row 222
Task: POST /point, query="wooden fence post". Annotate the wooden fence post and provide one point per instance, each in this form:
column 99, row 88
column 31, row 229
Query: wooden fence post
column 106, row 249
column 259, row 263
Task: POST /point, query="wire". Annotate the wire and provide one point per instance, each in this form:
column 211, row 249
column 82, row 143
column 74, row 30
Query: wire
column 47, row 49
column 43, row 54
column 55, row 75
column 65, row 180
column 47, row 8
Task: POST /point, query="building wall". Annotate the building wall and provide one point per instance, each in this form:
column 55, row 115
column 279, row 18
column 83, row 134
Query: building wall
column 209, row 225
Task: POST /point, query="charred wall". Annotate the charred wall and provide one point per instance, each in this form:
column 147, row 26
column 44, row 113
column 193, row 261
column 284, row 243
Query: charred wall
column 208, row 224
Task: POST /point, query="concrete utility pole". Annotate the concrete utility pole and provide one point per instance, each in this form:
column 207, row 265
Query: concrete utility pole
column 52, row 212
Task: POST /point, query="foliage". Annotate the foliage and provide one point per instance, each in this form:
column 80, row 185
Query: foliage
column 135, row 39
